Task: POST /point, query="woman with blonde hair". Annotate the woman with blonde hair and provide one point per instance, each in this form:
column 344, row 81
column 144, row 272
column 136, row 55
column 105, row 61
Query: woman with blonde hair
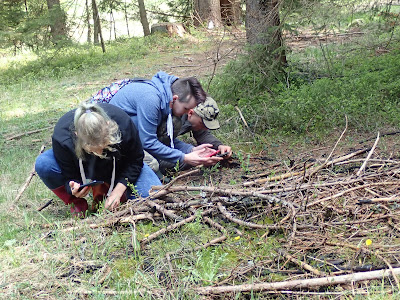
column 95, row 142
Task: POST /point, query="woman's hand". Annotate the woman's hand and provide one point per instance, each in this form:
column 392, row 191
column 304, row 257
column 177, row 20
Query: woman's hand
column 114, row 199
column 75, row 187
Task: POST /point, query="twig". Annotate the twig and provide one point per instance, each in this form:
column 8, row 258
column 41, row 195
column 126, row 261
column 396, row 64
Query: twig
column 166, row 229
column 212, row 242
column 337, row 142
column 229, row 216
column 27, row 133
column 27, row 181
column 160, row 190
column 45, row 205
column 162, row 210
column 304, row 265
column 299, row 284
column 368, row 156
column 243, row 119
column 352, row 189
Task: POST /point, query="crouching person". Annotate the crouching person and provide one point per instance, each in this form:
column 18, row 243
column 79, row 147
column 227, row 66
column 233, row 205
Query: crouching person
column 95, row 142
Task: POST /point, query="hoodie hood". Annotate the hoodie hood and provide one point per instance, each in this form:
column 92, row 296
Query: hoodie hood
column 163, row 82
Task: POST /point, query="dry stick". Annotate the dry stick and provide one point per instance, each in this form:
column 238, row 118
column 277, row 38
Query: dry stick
column 28, row 180
column 230, row 192
column 172, row 227
column 166, row 229
column 312, row 171
column 299, row 284
column 45, row 205
column 113, row 221
column 28, row 133
column 162, row 210
column 229, row 216
column 212, row 242
column 243, row 119
column 370, row 252
column 390, row 221
column 352, row 189
column 304, row 265
column 214, row 224
column 368, row 157
column 337, row 142
column 159, row 193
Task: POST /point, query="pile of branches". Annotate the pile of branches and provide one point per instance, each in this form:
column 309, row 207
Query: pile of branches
column 339, row 218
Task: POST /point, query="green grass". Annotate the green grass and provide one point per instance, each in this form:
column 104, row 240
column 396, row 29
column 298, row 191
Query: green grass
column 52, row 263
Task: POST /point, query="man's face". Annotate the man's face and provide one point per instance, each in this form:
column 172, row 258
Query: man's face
column 196, row 121
column 181, row 108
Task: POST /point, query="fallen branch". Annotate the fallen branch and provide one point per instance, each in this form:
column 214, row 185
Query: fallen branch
column 299, row 284
column 368, row 157
column 27, row 133
column 166, row 229
column 303, row 265
column 27, row 181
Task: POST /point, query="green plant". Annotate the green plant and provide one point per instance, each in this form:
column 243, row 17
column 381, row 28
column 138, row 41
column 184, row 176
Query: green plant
column 244, row 161
column 206, row 267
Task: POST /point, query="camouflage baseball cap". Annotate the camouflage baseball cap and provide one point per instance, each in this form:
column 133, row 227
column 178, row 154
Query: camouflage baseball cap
column 208, row 111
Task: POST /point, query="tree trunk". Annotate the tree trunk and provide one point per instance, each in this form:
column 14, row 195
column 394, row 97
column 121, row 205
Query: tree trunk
column 89, row 32
column 207, row 12
column 97, row 26
column 58, row 19
column 230, row 12
column 143, row 18
column 126, row 18
column 263, row 25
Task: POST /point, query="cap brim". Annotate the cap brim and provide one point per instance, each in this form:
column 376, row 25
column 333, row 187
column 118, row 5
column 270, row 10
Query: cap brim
column 214, row 124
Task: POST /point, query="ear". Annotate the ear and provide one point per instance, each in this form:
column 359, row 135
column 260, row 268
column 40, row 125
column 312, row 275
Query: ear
column 175, row 97
column 190, row 113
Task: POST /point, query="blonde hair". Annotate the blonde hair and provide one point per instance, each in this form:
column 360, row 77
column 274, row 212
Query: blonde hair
column 94, row 129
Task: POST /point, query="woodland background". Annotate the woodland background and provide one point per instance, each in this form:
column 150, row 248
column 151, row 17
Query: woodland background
column 304, row 88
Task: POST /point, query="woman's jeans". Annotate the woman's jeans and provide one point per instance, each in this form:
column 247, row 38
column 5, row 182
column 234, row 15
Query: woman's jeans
column 50, row 172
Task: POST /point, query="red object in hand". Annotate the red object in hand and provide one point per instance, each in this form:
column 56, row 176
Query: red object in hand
column 213, row 153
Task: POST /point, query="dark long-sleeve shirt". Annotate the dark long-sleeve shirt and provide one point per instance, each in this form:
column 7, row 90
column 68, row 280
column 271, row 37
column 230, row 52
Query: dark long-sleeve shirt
column 128, row 155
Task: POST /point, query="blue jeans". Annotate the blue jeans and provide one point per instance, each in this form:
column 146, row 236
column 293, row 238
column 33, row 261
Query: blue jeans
column 50, row 172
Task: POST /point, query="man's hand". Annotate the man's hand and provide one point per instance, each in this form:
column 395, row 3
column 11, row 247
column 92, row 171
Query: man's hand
column 224, row 149
column 200, row 147
column 198, row 157
column 114, row 199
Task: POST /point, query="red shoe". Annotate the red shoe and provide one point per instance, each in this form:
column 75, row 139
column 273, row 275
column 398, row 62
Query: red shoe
column 79, row 207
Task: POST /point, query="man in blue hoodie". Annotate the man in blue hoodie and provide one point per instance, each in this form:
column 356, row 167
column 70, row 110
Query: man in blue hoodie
column 148, row 102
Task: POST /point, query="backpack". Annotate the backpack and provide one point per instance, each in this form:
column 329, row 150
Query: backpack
column 105, row 94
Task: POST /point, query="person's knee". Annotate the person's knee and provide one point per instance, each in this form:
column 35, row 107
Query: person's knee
column 41, row 165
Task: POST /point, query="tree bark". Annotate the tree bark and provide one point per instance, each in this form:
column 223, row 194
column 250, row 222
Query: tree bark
column 89, row 31
column 230, row 12
column 207, row 12
column 97, row 27
column 263, row 25
column 58, row 18
column 143, row 18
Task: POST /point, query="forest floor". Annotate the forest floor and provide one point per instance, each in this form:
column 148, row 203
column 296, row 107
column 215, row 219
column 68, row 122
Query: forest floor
column 268, row 220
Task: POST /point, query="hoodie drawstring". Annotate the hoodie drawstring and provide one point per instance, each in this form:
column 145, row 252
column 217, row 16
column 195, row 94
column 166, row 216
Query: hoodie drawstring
column 84, row 180
column 170, row 129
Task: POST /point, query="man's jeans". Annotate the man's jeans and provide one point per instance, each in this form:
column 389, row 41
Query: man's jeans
column 50, row 172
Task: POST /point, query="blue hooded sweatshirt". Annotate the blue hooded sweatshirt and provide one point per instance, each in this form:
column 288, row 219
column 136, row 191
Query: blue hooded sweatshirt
column 147, row 102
